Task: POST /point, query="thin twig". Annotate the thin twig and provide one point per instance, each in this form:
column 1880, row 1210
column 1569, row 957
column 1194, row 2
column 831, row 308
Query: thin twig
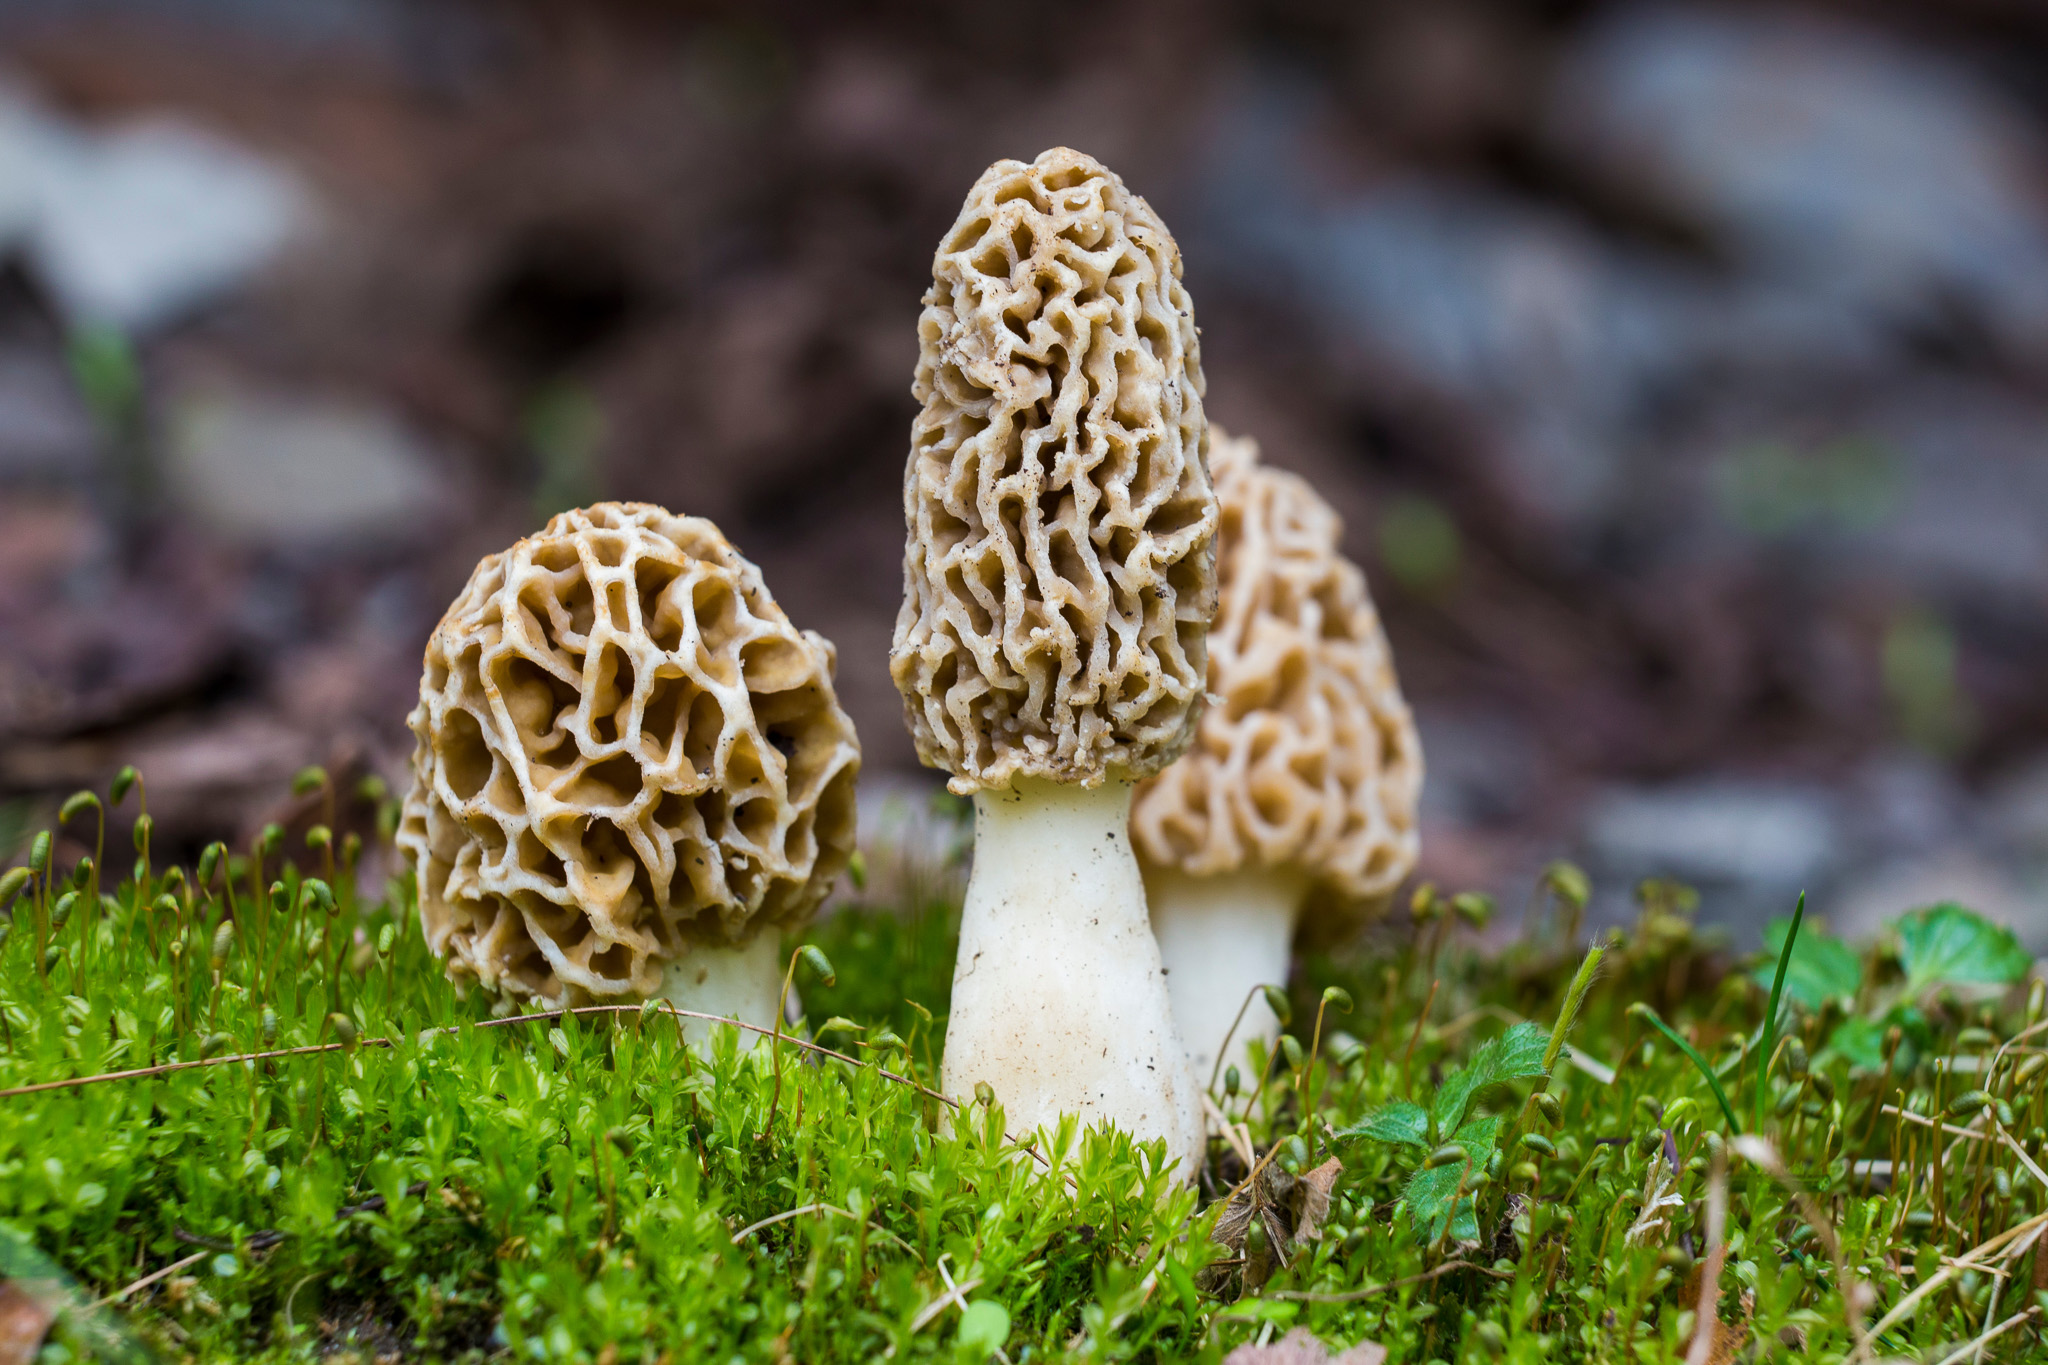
column 872, row 1226
column 151, row 1278
column 773, row 1218
column 166, row 1067
column 1353, row 1295
column 1925, row 1122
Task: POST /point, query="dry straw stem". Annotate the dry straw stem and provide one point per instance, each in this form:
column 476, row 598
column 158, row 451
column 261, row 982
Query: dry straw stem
column 1707, row 1330
column 1977, row 1345
column 956, row 1294
column 1968, row 1261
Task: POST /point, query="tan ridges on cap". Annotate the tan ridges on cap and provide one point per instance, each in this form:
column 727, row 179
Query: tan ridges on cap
column 623, row 748
column 1059, row 573
column 1308, row 758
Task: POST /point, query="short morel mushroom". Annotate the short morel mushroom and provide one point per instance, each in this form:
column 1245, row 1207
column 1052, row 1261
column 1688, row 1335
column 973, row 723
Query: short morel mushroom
column 631, row 771
column 1058, row 584
column 1298, row 800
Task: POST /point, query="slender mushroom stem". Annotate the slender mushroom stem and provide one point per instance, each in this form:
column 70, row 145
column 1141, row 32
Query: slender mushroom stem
column 1221, row 938
column 730, row 982
column 1059, row 1002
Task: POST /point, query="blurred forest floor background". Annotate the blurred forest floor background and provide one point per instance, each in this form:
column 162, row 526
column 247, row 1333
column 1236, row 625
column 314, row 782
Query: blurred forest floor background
column 1678, row 369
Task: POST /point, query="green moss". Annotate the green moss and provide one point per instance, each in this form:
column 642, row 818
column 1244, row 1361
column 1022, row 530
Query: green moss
column 451, row 1186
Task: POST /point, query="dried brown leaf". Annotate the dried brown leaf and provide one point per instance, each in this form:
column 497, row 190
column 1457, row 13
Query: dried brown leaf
column 26, row 1312
column 1312, row 1200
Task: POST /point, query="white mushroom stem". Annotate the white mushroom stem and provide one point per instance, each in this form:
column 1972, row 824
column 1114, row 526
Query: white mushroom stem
column 740, row 983
column 1221, row 937
column 1059, row 1003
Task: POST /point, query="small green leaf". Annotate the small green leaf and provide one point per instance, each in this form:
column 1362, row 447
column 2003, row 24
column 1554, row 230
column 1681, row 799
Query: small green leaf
column 1948, row 945
column 1821, row 968
column 984, row 1326
column 1398, row 1122
column 1515, row 1055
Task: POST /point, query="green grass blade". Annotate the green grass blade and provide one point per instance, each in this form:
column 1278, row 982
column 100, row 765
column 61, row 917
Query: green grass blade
column 1770, row 1033
column 1713, row 1083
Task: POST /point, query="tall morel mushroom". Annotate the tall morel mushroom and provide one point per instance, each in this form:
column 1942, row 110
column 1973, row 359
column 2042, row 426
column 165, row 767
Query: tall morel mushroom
column 631, row 770
column 1059, row 578
column 1298, row 798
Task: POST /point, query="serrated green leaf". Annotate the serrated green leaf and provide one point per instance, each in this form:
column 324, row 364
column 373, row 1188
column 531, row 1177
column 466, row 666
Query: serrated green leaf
column 1515, row 1055
column 1821, row 968
column 1430, row 1190
column 1398, row 1122
column 1948, row 945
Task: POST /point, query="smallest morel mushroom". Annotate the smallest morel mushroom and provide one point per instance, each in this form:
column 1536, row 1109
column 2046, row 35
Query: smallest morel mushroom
column 1298, row 798
column 631, row 771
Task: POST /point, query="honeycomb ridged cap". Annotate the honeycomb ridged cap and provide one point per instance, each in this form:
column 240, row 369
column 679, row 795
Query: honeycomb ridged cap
column 1307, row 758
column 1059, row 571
column 623, row 748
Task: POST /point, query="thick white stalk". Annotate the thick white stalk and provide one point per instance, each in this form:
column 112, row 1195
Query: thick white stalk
column 1059, row 1003
column 734, row 983
column 1220, row 937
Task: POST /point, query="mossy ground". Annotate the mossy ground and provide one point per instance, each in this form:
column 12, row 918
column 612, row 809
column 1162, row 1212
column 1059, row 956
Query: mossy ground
column 445, row 1185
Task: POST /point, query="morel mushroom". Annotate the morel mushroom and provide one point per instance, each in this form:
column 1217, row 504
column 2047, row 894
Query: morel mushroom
column 1058, row 582
column 631, row 771
column 1298, row 798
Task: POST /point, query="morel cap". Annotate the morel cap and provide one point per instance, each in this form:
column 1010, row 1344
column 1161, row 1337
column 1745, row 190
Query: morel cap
column 1060, row 569
column 623, row 748
column 1307, row 759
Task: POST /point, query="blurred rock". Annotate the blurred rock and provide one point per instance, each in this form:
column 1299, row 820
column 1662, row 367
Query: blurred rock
column 1754, row 838
column 267, row 468
column 1908, row 803
column 90, row 644
column 136, row 225
column 46, row 435
column 1871, row 900
column 1833, row 159
column 1483, row 768
column 1557, row 339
